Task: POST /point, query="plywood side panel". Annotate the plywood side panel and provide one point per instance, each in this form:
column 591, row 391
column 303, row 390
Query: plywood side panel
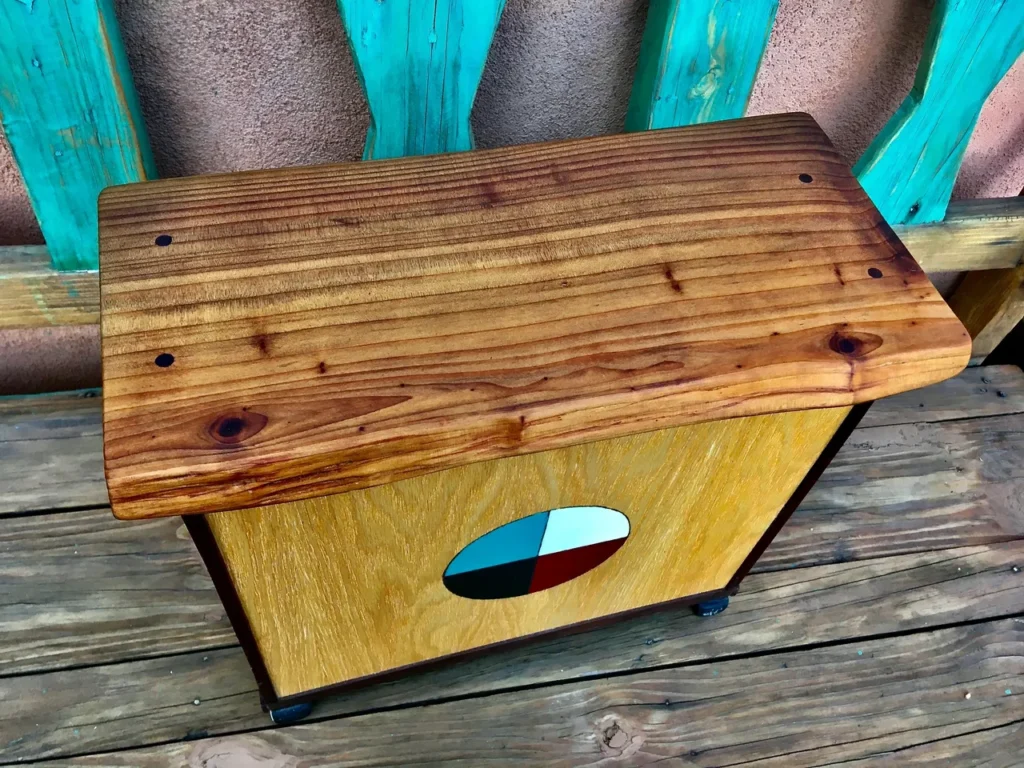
column 345, row 586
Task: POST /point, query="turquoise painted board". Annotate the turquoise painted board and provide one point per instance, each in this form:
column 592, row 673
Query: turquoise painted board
column 71, row 116
column 420, row 64
column 698, row 61
column 910, row 167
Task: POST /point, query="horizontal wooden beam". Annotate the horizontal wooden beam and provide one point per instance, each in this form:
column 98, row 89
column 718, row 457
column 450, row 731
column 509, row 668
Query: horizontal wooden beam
column 976, row 235
column 33, row 294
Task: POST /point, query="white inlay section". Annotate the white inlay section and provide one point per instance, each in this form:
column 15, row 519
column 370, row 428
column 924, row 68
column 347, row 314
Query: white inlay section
column 574, row 527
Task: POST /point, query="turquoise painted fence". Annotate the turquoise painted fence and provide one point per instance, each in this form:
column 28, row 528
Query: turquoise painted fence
column 419, row 64
column 70, row 112
column 911, row 166
column 71, row 116
column 698, row 61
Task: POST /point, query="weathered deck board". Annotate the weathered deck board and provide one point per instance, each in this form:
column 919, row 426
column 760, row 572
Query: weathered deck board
column 80, row 588
column 892, row 490
column 62, row 713
column 992, row 390
column 51, row 452
column 800, row 708
column 988, row 748
column 911, row 487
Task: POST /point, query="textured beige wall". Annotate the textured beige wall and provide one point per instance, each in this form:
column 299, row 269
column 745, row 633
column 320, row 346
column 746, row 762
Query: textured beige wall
column 246, row 84
column 236, row 85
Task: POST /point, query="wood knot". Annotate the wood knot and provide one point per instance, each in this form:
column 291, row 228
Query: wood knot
column 854, row 344
column 489, row 195
column 262, row 342
column 618, row 737
column 230, row 429
column 673, row 283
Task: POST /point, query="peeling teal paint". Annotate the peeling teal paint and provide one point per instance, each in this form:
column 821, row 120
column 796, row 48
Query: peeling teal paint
column 419, row 64
column 910, row 167
column 698, row 61
column 71, row 116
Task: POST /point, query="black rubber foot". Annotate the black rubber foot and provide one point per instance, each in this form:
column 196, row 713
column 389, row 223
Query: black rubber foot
column 711, row 607
column 291, row 714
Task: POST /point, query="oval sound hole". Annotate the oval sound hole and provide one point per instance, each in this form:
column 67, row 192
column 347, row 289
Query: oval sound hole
column 536, row 553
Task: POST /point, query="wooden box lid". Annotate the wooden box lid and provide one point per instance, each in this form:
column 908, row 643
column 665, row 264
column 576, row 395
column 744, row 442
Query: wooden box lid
column 277, row 335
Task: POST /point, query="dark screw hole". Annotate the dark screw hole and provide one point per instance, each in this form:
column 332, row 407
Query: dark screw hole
column 230, row 427
column 164, row 359
column 875, row 272
column 163, row 240
column 806, row 178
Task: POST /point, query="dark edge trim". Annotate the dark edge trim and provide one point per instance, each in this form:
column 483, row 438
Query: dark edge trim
column 203, row 538
column 315, row 694
column 841, row 435
column 207, row 546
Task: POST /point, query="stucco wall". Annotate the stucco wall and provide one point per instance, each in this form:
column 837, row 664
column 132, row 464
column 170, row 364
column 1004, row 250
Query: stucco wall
column 256, row 84
column 262, row 83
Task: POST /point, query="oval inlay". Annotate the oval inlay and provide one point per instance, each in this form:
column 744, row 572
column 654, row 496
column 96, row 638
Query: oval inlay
column 537, row 552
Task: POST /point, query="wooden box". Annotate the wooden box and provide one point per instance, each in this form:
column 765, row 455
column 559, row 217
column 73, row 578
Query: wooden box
column 634, row 352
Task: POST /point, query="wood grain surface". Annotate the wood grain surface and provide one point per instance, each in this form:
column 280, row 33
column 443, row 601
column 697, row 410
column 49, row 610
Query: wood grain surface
column 975, row 235
column 342, row 327
column 66, row 712
column 698, row 62
column 801, row 708
column 354, row 587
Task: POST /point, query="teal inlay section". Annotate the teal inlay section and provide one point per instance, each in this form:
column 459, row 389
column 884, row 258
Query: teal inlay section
column 911, row 166
column 71, row 116
column 518, row 540
column 420, row 63
column 698, row 61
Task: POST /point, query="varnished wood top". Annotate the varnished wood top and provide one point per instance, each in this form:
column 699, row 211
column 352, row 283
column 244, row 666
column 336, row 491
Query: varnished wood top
column 345, row 326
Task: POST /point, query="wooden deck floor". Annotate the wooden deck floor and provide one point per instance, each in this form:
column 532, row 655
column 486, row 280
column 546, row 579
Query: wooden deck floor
column 884, row 627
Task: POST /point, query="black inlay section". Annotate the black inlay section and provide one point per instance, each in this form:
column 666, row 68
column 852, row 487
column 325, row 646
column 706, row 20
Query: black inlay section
column 498, row 581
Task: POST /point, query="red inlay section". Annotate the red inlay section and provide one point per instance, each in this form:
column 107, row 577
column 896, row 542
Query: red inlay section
column 559, row 567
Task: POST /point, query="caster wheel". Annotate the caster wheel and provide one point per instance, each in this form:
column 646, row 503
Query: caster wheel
column 711, row 607
column 291, row 714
